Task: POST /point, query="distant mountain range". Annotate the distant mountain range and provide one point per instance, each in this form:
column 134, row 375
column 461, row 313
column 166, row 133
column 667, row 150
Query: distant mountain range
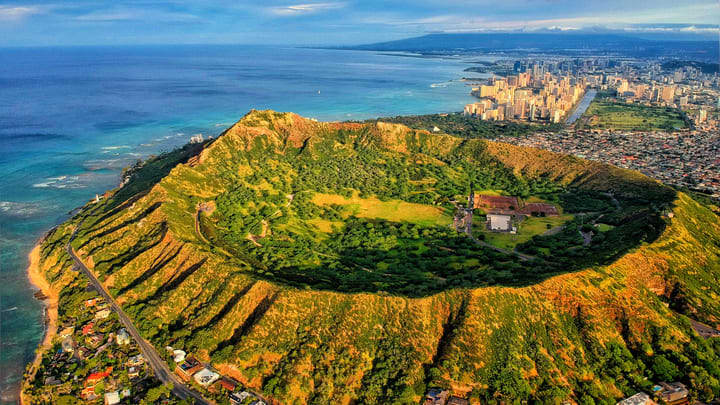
column 565, row 43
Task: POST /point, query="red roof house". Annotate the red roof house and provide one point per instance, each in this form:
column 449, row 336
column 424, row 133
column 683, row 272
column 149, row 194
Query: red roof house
column 94, row 378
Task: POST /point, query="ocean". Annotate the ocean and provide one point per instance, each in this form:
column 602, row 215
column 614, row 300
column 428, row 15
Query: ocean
column 72, row 118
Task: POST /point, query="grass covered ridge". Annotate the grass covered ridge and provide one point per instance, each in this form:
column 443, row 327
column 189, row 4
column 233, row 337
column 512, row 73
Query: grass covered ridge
column 593, row 335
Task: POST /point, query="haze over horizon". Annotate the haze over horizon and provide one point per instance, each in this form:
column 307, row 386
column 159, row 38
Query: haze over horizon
column 338, row 22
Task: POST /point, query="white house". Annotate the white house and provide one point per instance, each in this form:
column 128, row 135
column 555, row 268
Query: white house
column 179, row 355
column 640, row 398
column 112, row 398
column 122, row 338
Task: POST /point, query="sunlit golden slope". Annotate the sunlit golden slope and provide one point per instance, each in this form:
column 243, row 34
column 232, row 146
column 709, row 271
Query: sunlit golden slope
column 559, row 339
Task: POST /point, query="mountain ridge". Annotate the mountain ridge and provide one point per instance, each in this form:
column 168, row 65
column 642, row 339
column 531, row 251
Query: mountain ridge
column 308, row 345
column 559, row 42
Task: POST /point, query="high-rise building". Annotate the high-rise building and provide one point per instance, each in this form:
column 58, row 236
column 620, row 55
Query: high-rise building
column 702, row 115
column 487, row 91
column 624, row 86
column 668, row 94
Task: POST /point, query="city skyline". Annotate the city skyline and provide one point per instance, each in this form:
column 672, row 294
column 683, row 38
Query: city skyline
column 331, row 22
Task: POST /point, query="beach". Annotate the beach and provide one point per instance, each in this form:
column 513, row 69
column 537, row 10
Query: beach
column 50, row 300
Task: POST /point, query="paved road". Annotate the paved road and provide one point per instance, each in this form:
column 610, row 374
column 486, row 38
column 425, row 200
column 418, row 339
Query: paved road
column 162, row 372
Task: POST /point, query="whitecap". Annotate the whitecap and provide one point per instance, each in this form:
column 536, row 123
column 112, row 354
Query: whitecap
column 20, row 209
column 115, row 147
column 61, row 182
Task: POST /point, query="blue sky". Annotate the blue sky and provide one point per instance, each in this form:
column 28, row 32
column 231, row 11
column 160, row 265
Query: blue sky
column 326, row 22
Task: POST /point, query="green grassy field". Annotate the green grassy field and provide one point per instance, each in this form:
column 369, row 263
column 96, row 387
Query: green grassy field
column 527, row 229
column 604, row 227
column 392, row 210
column 604, row 114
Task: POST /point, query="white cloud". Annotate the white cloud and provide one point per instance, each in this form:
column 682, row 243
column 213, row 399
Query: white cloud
column 135, row 15
column 307, row 8
column 108, row 16
column 9, row 13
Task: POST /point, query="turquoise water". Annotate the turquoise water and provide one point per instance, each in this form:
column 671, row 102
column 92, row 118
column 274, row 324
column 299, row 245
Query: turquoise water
column 72, row 118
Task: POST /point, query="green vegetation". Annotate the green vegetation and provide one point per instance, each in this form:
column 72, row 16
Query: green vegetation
column 463, row 126
column 314, row 262
column 702, row 66
column 604, row 114
column 491, row 67
column 527, row 229
column 392, row 210
column 85, row 344
column 145, row 173
column 343, row 213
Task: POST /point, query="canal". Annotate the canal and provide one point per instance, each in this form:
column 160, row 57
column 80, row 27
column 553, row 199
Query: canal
column 583, row 106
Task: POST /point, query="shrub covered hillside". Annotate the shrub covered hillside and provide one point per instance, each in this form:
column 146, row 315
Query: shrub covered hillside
column 316, row 262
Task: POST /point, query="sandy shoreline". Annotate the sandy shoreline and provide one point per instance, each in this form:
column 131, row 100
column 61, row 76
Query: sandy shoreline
column 38, row 280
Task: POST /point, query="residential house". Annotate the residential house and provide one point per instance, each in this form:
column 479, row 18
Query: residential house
column 88, row 393
column 133, row 372
column 238, row 398
column 640, row 398
column 66, row 332
column 88, row 328
column 112, row 398
column 206, row 377
column 137, row 360
column 186, row 370
column 123, row 337
column 84, row 353
column 228, row 384
column 436, row 396
column 674, row 393
column 95, row 378
column 179, row 355
column 68, row 345
column 96, row 340
column 457, row 401
column 102, row 314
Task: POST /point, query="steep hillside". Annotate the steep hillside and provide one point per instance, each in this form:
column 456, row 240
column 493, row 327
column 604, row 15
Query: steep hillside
column 315, row 262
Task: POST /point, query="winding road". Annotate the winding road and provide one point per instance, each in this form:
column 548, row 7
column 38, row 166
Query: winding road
column 162, row 372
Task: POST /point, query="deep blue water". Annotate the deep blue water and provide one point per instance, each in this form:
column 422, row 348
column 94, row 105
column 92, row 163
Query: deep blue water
column 72, row 118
